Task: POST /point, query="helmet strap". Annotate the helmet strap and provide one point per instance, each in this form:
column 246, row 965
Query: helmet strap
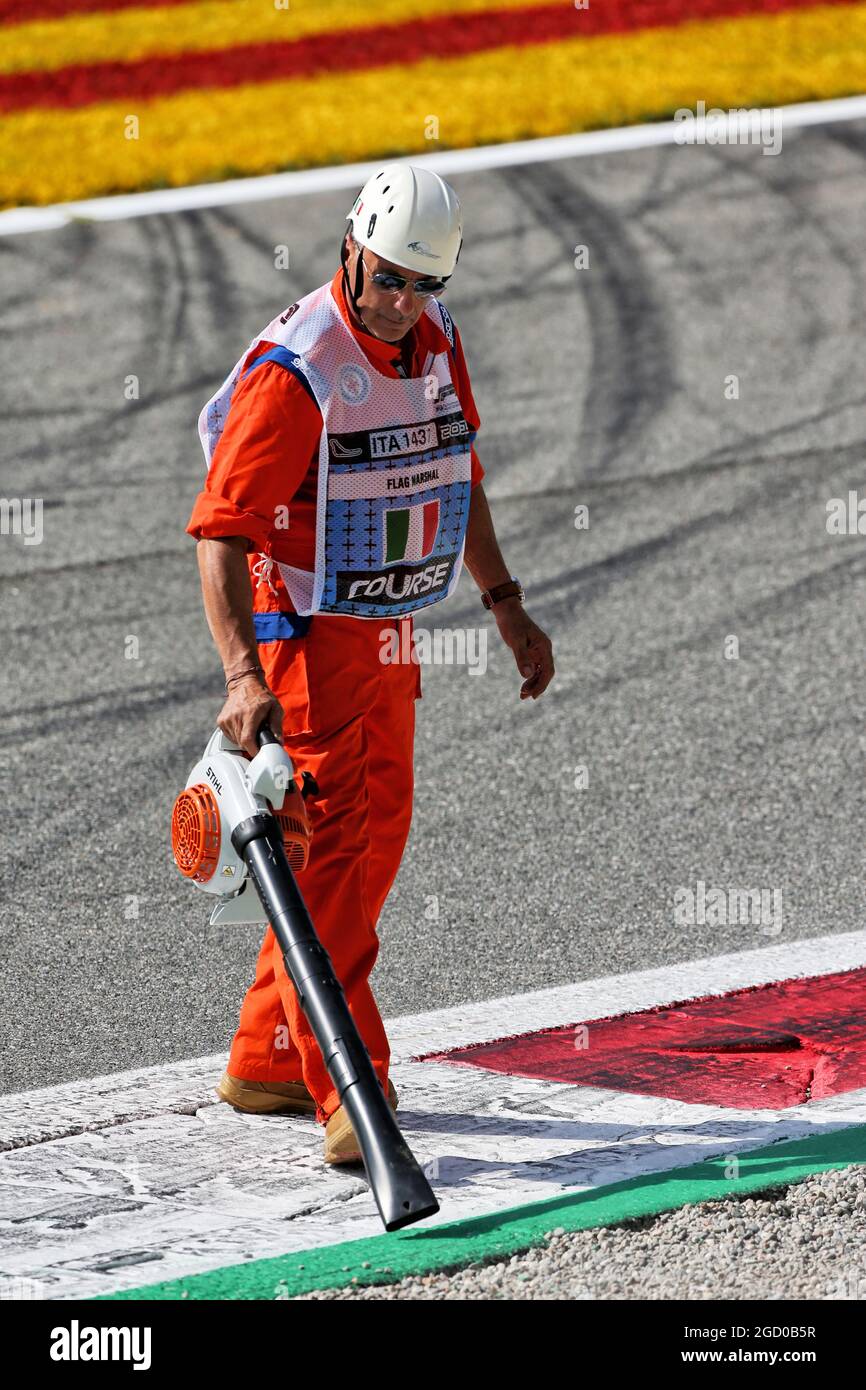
column 359, row 282
column 353, row 295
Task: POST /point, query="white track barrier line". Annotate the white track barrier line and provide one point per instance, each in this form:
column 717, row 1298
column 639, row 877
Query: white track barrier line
column 15, row 221
column 143, row 1176
column 33, row 1117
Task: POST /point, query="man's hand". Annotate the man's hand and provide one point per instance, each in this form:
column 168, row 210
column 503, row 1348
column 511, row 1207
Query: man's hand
column 248, row 706
column 532, row 648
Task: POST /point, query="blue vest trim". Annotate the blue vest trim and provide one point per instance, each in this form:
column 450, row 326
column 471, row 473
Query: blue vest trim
column 274, row 627
column 288, row 360
column 447, row 323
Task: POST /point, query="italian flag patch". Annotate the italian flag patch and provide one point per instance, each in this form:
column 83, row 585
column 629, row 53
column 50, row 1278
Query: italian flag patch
column 410, row 532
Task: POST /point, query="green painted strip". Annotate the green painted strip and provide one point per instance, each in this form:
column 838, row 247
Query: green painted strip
column 421, row 1250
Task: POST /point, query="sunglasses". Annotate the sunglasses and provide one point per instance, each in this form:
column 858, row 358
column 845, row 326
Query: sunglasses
column 386, row 280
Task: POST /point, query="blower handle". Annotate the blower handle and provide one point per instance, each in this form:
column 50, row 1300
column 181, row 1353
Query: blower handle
column 309, row 785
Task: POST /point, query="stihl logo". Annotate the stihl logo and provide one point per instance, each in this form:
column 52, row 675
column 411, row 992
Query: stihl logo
column 212, row 777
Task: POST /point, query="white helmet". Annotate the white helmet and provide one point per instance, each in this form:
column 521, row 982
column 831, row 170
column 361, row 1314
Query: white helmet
column 409, row 216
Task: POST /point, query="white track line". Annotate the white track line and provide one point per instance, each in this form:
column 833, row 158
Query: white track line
column 32, row 1117
column 304, row 181
column 142, row 1176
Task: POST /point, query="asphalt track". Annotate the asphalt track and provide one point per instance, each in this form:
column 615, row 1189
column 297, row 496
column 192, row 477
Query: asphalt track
column 602, row 386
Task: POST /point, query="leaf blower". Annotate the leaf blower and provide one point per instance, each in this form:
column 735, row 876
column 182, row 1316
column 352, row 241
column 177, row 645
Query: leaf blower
column 242, row 824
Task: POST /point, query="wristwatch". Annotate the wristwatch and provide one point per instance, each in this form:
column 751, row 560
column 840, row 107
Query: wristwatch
column 512, row 588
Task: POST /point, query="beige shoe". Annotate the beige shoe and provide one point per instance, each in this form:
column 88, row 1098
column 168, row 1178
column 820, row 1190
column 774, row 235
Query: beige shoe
column 273, row 1097
column 266, row 1097
column 341, row 1146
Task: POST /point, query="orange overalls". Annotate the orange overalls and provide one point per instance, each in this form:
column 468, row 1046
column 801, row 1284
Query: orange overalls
column 349, row 718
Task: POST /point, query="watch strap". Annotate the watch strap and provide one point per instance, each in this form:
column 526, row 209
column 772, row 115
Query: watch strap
column 511, row 588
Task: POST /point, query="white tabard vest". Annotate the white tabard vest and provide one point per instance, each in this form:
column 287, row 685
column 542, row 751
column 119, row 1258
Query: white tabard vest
column 394, row 466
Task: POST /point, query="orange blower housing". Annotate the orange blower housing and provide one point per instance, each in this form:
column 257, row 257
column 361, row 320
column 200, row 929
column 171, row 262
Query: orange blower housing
column 224, row 789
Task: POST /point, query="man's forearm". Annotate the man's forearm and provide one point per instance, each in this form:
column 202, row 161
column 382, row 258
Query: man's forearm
column 225, row 586
column 482, row 555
